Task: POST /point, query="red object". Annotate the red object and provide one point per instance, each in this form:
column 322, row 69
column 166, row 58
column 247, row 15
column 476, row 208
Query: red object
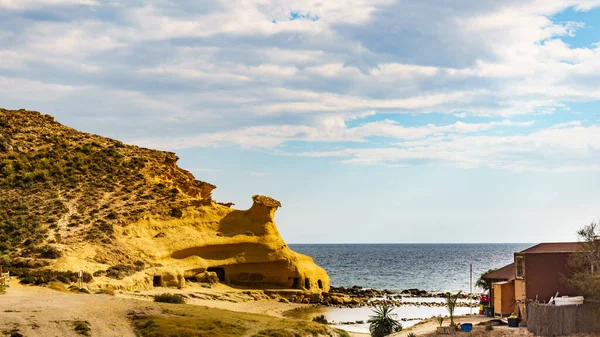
column 481, row 311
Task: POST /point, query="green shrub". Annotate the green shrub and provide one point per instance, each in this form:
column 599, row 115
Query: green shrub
column 50, row 252
column 320, row 319
column 120, row 271
column 82, row 327
column 12, row 333
column 176, row 213
column 169, row 298
column 45, row 276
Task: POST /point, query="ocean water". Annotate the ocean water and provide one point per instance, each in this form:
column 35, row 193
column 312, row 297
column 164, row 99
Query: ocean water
column 431, row 267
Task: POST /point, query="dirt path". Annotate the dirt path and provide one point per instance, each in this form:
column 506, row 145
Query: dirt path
column 430, row 326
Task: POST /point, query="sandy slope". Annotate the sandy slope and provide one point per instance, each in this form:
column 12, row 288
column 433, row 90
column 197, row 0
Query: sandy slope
column 44, row 312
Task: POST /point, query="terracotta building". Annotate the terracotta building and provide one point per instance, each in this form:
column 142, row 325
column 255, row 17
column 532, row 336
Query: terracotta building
column 538, row 272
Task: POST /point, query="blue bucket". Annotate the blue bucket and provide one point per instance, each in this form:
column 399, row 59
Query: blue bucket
column 466, row 327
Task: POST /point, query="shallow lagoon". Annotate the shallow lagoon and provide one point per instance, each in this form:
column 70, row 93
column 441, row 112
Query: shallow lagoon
column 409, row 314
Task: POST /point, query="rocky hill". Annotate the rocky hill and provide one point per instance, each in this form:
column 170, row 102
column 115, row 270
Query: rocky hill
column 129, row 216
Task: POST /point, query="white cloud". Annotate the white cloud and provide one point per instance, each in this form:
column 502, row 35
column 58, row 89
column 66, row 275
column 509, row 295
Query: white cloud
column 559, row 148
column 328, row 130
column 23, row 4
column 179, row 74
column 29, row 90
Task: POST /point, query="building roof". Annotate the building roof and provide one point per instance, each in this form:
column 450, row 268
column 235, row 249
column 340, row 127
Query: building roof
column 555, row 247
column 504, row 273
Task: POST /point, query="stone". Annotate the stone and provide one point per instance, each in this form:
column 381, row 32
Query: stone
column 207, row 277
column 316, row 298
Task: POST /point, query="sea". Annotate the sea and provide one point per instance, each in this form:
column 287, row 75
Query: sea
column 430, row 267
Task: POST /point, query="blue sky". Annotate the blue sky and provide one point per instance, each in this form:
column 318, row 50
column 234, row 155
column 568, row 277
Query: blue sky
column 371, row 121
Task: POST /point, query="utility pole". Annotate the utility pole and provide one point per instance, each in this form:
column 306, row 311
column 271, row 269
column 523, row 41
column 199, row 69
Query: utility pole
column 471, row 288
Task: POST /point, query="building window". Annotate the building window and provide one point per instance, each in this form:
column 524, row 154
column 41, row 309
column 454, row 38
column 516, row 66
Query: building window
column 520, row 267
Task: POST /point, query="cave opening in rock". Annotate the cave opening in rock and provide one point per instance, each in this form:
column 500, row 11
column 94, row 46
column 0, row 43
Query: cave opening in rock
column 219, row 271
column 296, row 284
column 157, row 281
column 320, row 283
column 307, row 283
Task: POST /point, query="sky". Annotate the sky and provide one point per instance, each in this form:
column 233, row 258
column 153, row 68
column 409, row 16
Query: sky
column 372, row 121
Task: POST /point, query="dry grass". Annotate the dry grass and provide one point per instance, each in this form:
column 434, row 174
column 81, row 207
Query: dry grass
column 196, row 321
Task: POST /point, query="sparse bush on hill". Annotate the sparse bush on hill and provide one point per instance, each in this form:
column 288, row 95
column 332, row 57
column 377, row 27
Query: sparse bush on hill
column 120, row 271
column 176, row 213
column 45, row 276
column 58, row 185
column 50, row 252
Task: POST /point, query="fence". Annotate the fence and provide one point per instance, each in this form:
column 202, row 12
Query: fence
column 552, row 320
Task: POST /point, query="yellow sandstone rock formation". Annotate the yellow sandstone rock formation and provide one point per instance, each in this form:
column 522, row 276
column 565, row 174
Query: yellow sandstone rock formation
column 241, row 247
column 130, row 216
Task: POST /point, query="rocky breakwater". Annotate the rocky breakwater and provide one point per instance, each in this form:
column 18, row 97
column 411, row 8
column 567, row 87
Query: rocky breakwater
column 353, row 297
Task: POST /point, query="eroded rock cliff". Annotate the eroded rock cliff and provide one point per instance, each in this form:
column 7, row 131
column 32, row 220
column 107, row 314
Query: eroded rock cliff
column 130, row 216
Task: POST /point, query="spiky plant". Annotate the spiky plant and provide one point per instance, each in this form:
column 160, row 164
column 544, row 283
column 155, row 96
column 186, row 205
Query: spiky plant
column 384, row 322
column 451, row 305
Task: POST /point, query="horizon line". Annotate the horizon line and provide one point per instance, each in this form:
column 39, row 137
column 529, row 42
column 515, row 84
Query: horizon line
column 414, row 243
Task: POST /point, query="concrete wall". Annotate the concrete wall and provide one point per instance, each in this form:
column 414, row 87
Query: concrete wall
column 545, row 275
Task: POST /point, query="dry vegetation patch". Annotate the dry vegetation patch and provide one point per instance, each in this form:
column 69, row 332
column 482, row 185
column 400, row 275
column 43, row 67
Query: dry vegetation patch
column 196, row 321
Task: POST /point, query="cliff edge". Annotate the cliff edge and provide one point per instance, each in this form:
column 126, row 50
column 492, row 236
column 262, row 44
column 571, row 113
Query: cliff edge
column 130, row 216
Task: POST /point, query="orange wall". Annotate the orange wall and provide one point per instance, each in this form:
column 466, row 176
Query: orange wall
column 520, row 290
